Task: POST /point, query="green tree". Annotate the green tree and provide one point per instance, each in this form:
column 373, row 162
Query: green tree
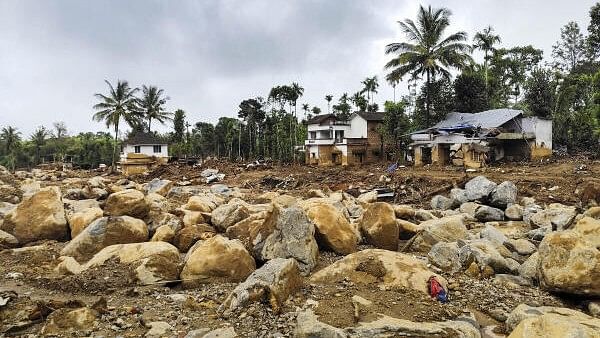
column 328, row 98
column 396, row 126
column 593, row 39
column 359, row 101
column 370, row 85
column 178, row 126
column 428, row 51
column 470, row 94
column 570, row 50
column 441, row 101
column 119, row 104
column 485, row 41
column 151, row 105
column 38, row 138
column 539, row 93
column 315, row 110
column 342, row 109
column 11, row 139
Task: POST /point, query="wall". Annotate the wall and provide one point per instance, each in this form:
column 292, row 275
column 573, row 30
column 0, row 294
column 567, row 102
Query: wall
column 147, row 150
column 542, row 129
column 358, row 127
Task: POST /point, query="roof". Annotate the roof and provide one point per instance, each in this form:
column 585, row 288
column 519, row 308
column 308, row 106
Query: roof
column 487, row 119
column 371, row 116
column 318, row 119
column 143, row 138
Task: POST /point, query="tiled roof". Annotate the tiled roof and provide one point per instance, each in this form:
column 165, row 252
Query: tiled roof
column 143, row 138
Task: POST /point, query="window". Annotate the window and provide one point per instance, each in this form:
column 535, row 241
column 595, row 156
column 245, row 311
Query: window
column 313, row 155
column 156, row 149
column 137, row 149
column 313, row 135
column 339, row 136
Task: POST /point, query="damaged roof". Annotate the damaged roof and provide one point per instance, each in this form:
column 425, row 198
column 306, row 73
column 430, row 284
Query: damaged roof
column 318, row 119
column 371, row 116
column 487, row 119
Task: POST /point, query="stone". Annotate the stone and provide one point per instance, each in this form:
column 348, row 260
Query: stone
column 570, row 260
column 81, row 219
column 379, row 226
column 504, row 194
column 128, row 202
column 459, row 196
column 287, row 233
column 521, row 246
column 188, row 235
column 548, row 321
column 492, row 234
column 103, row 232
column 248, row 229
column 367, row 197
column 383, row 268
column 333, row 231
column 360, row 305
column 158, row 186
column 221, row 189
column 445, row 256
column 594, row 308
column 439, row 202
column 355, row 210
column 556, row 217
column 514, row 212
column 227, row 215
column 446, row 229
column 424, row 215
column 68, row 266
column 218, row 257
column 479, row 188
column 275, row 282
column 68, row 321
column 7, row 240
column 157, row 220
column 164, row 233
column 486, row 213
column 404, row 212
column 309, row 326
column 39, row 216
column 484, row 253
column 192, row 217
column 529, row 268
column 593, row 212
column 407, row 229
column 158, row 329
column 224, row 332
column 30, row 187
column 511, row 280
column 203, row 203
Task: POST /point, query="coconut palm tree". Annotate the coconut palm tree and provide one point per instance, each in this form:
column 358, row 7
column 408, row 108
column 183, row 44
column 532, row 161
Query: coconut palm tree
column 428, row 51
column 119, row 104
column 39, row 139
column 10, row 136
column 152, row 104
column 328, row 98
column 306, row 108
column 485, row 41
column 370, row 86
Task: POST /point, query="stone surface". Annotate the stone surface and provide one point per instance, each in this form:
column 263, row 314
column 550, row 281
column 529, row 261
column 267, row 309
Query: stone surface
column 333, row 231
column 127, row 202
column 405, row 212
column 459, row 196
column 445, row 256
column 227, row 215
column 218, row 257
column 164, row 233
column 439, row 202
column 514, row 212
column 368, row 197
column 570, row 260
column 7, row 240
column 484, row 253
column 204, row 202
column 446, row 229
column 103, row 232
column 188, row 235
column 407, row 229
column 529, row 268
column 158, row 186
column 492, row 234
column 556, row 217
column 546, row 321
column 521, row 246
column 69, row 321
column 469, row 208
column 379, row 226
column 39, row 216
column 504, row 194
column 380, row 267
column 274, row 282
column 486, row 213
column 479, row 188
column 67, row 265
column 158, row 329
column 81, row 219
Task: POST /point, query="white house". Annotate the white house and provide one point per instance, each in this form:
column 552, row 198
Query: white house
column 141, row 151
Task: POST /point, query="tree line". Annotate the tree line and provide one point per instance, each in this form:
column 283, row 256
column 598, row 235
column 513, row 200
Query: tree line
column 441, row 76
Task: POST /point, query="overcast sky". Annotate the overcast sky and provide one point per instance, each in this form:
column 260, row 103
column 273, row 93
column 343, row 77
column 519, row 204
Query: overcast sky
column 210, row 55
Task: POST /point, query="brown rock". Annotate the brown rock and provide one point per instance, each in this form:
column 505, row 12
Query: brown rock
column 379, row 226
column 80, row 220
column 188, row 235
column 333, row 230
column 164, row 233
column 128, row 202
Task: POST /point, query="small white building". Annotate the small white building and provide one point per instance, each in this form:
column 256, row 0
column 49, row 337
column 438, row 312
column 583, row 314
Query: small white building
column 141, row 151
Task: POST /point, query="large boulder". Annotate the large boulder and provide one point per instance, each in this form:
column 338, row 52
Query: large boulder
column 504, row 194
column 548, row 321
column 40, row 215
column 445, row 256
column 218, row 257
column 81, row 219
column 492, row 234
column 334, row 232
column 556, row 216
column 127, row 202
column 204, row 202
column 446, row 229
column 187, row 236
column 103, row 232
column 7, row 240
column 484, row 253
column 158, row 186
column 514, row 212
column 379, row 226
column 287, row 233
column 68, row 321
column 227, row 215
column 529, row 268
column 486, row 213
column 381, row 267
column 275, row 281
column 459, row 196
column 439, row 202
column 570, row 260
column 479, row 188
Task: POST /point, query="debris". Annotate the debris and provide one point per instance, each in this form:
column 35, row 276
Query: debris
column 436, row 290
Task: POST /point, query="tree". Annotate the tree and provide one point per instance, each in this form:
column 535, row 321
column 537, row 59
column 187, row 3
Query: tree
column 396, row 125
column 328, row 98
column 359, row 101
column 119, row 104
column 178, row 125
column 10, row 136
column 470, row 94
column 306, row 108
column 39, row 139
column 428, row 52
column 60, row 129
column 342, row 109
column 510, row 69
column 485, row 41
column 441, row 101
column 570, row 50
column 593, row 39
column 151, row 105
column 370, row 86
column 315, row 110
column 539, row 93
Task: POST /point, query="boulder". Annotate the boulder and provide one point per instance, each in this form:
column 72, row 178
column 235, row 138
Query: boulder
column 504, row 194
column 158, row 186
column 218, row 257
column 404, row 212
column 227, row 215
column 333, row 232
column 407, row 229
column 424, row 215
column 382, row 267
column 493, row 235
column 164, row 233
column 557, row 217
column 367, row 197
column 529, row 268
column 548, row 321
column 67, row 321
column 103, row 232
column 355, row 210
column 157, row 220
column 127, row 202
column 204, row 203
column 157, row 203
column 446, row 229
column 484, row 253
column 514, row 212
column 486, row 213
column 153, row 262
column 570, row 260
column 39, row 216
column 287, row 233
column 379, row 226
column 81, row 219
column 439, row 202
column 593, row 212
column 469, row 208
column 192, row 217
column 479, row 188
column 158, row 330
column 7, row 240
column 521, row 246
column 248, row 229
column 68, row 266
column 188, row 235
column 445, row 256
column 275, row 281
column 459, row 196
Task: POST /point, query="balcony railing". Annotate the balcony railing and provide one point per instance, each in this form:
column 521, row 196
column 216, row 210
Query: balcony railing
column 319, row 141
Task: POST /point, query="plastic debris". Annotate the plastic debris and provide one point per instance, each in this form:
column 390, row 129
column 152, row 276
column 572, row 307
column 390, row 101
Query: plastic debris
column 436, row 290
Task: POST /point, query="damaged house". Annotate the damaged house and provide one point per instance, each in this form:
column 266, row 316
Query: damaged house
column 472, row 140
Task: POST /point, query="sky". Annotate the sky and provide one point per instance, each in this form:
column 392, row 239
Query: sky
column 209, row 55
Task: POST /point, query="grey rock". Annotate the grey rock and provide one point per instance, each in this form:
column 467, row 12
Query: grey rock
column 492, row 234
column 514, row 212
column 529, row 268
column 486, row 213
column 479, row 188
column 521, row 246
column 445, row 256
column 538, row 234
column 459, row 196
column 511, row 279
column 483, row 252
column 556, row 218
column 504, row 194
column 439, row 202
